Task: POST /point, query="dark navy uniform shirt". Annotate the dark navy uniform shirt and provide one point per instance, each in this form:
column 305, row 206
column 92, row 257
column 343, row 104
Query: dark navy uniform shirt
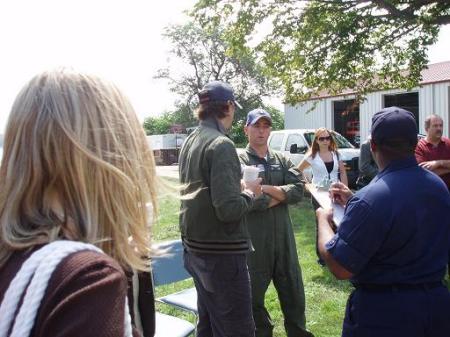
column 396, row 230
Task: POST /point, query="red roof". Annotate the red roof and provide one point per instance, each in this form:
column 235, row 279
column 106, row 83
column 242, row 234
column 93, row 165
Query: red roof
column 436, row 72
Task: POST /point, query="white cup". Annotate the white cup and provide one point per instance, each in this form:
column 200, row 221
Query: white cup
column 250, row 173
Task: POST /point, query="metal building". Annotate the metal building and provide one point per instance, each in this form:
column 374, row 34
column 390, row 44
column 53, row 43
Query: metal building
column 340, row 112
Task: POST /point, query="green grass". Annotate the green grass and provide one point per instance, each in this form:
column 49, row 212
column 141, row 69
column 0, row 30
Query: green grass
column 325, row 296
column 167, row 226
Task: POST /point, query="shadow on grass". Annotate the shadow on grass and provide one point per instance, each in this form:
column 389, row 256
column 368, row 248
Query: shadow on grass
column 328, row 280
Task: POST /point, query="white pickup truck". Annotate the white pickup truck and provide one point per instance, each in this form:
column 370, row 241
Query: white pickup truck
column 296, row 142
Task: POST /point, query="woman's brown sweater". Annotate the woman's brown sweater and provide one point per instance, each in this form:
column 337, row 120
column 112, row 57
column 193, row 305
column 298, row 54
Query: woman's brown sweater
column 85, row 296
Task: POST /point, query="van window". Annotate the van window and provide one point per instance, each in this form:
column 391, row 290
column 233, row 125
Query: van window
column 341, row 141
column 309, row 137
column 294, row 139
column 275, row 141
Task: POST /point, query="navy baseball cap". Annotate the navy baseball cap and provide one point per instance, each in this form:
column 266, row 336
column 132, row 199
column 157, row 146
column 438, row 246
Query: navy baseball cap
column 217, row 91
column 255, row 115
column 394, row 123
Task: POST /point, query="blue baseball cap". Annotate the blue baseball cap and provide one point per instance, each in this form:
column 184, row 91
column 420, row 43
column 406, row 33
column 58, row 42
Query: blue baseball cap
column 255, row 115
column 394, row 123
column 217, row 91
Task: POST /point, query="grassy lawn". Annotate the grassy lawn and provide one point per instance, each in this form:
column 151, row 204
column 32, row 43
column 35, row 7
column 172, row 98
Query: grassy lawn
column 325, row 296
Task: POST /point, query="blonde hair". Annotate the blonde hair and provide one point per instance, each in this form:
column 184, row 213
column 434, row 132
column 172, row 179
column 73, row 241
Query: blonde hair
column 76, row 165
column 315, row 146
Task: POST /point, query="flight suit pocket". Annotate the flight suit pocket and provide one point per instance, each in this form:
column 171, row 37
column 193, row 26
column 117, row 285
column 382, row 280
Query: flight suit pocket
column 276, row 175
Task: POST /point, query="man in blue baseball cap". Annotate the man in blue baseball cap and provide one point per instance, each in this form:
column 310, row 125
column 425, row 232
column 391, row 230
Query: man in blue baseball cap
column 255, row 115
column 394, row 240
column 212, row 223
column 275, row 256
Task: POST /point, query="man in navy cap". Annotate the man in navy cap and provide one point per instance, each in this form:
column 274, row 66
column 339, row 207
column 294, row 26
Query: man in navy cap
column 393, row 242
column 275, row 256
column 212, row 223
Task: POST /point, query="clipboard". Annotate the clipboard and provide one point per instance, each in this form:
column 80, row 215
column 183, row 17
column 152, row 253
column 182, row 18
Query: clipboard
column 323, row 199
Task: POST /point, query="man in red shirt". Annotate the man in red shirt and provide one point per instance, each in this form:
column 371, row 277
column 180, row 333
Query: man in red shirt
column 433, row 152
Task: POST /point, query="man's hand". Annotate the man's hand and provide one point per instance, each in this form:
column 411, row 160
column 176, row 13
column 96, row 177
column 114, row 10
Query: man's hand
column 339, row 193
column 431, row 165
column 253, row 186
column 439, row 167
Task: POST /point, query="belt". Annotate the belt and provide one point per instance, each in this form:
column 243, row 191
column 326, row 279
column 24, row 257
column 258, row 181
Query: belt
column 399, row 286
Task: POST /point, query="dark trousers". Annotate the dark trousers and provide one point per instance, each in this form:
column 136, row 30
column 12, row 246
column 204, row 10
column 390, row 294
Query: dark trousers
column 398, row 313
column 224, row 296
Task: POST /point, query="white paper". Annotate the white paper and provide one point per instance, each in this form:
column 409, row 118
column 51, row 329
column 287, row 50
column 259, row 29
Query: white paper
column 250, row 173
column 323, row 198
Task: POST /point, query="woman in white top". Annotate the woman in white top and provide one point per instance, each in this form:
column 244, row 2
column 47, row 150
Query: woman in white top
column 323, row 158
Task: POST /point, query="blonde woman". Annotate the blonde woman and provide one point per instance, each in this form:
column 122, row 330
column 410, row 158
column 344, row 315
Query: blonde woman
column 323, row 158
column 76, row 166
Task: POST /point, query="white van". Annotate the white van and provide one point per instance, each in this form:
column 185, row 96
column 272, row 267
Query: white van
column 295, row 143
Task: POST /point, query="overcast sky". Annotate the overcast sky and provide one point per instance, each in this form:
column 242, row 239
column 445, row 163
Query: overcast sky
column 117, row 39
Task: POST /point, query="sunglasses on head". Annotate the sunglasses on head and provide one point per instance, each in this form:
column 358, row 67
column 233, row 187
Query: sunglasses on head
column 322, row 139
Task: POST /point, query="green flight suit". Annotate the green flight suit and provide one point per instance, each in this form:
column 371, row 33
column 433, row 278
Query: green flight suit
column 275, row 256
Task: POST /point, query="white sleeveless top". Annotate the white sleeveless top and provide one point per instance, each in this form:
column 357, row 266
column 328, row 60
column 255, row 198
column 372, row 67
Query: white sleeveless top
column 319, row 169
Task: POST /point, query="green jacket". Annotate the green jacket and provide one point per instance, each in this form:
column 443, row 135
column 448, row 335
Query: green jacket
column 277, row 170
column 212, row 205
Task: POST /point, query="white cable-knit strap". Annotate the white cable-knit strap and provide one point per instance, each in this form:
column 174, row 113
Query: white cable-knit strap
column 18, row 285
column 38, row 268
column 35, row 291
column 127, row 320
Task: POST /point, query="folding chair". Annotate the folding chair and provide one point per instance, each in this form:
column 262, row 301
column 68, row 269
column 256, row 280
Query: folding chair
column 169, row 268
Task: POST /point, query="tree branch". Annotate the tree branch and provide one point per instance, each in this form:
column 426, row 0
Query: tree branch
column 405, row 14
column 442, row 20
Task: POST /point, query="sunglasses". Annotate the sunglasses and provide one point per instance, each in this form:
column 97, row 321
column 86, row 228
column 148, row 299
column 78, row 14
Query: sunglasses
column 322, row 139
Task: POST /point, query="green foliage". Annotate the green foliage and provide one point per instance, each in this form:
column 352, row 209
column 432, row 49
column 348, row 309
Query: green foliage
column 161, row 124
column 329, row 46
column 277, row 118
column 157, row 125
column 202, row 56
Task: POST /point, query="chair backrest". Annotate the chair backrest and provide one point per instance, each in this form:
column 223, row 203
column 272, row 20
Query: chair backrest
column 169, row 267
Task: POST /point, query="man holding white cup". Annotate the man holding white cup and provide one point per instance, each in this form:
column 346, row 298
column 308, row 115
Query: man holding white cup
column 212, row 222
column 275, row 257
